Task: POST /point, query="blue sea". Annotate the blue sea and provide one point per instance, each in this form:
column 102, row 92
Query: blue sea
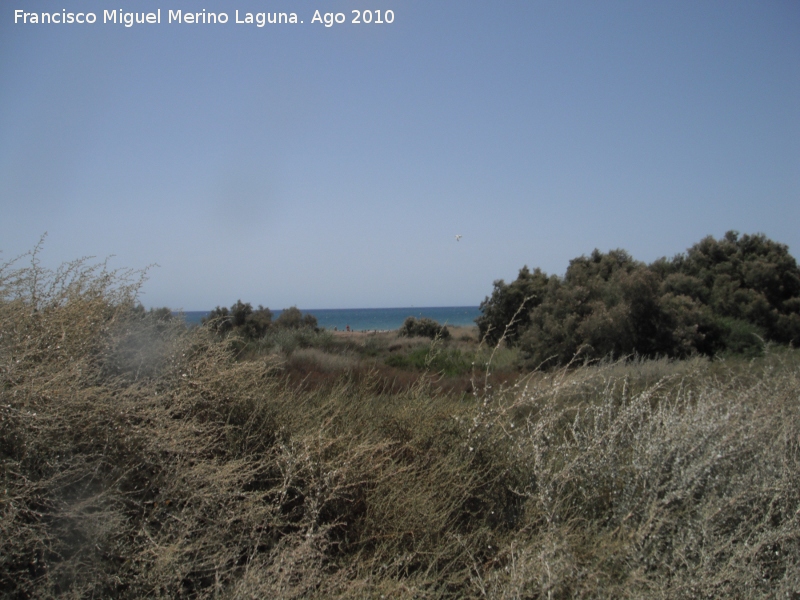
column 369, row 319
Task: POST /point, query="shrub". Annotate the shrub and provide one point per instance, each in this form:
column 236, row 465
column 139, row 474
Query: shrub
column 424, row 327
column 250, row 324
column 286, row 340
column 293, row 318
column 507, row 310
column 448, row 361
column 711, row 300
column 212, row 478
column 741, row 337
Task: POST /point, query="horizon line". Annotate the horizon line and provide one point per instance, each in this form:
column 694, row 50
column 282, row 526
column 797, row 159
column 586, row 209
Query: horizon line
column 362, row 308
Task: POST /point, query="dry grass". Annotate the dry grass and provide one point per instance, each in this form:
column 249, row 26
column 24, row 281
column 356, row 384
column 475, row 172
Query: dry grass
column 141, row 459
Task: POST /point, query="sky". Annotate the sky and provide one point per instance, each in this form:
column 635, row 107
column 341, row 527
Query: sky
column 332, row 167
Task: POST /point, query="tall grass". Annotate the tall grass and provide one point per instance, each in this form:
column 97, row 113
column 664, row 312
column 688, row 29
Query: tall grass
column 142, row 459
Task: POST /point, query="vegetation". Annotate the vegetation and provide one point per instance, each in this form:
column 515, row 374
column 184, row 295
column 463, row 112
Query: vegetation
column 448, row 362
column 292, row 318
column 141, row 458
column 722, row 296
column 424, row 327
column 251, row 324
column 241, row 318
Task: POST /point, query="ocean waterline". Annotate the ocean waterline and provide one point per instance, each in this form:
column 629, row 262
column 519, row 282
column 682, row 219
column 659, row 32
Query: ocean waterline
column 369, row 319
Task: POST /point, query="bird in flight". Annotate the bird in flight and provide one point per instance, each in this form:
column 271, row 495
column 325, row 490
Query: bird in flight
column 458, row 237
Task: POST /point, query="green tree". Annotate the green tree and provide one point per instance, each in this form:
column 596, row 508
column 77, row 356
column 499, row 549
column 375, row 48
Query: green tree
column 218, row 320
column 241, row 318
column 607, row 304
column 424, row 327
column 749, row 278
column 293, row 318
column 507, row 300
column 726, row 295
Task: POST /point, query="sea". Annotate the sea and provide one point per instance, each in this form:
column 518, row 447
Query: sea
column 371, row 319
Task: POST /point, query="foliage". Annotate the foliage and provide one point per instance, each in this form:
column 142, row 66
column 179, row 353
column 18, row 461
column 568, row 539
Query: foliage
column 286, row 340
column 252, row 324
column 293, row 318
column 723, row 296
column 447, row 361
column 750, row 278
column 210, row 477
column 499, row 309
column 424, row 327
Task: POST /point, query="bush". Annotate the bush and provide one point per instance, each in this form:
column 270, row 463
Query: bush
column 424, row 327
column 212, row 478
column 285, row 340
column 241, row 318
column 293, row 318
column 741, row 337
column 253, row 325
column 507, row 311
column 714, row 299
column 449, row 362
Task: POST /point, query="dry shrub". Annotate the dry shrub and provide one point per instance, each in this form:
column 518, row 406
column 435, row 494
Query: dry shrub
column 688, row 487
column 142, row 459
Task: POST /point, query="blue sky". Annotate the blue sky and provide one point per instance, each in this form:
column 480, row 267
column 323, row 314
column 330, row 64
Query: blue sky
column 333, row 167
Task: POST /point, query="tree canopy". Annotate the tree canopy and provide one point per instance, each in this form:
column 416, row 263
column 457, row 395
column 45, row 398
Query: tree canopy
column 253, row 324
column 726, row 295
